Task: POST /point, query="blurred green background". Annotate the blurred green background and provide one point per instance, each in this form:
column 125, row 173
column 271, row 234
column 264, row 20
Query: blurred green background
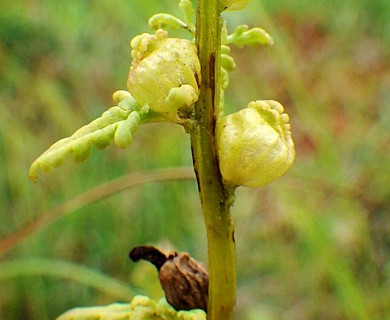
column 314, row 244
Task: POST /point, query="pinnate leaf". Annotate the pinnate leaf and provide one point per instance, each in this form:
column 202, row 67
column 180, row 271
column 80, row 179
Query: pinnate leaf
column 98, row 133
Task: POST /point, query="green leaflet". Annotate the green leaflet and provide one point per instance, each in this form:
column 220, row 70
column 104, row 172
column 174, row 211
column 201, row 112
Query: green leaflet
column 141, row 307
column 253, row 37
column 164, row 20
column 126, row 129
column 118, row 123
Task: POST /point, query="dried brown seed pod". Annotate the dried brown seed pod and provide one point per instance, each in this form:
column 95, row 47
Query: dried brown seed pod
column 184, row 280
column 148, row 253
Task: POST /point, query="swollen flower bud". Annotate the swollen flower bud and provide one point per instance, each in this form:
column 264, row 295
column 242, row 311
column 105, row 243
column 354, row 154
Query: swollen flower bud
column 255, row 144
column 159, row 65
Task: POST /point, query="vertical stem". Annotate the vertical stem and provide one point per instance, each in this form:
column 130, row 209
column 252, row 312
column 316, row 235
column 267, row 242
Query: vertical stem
column 215, row 198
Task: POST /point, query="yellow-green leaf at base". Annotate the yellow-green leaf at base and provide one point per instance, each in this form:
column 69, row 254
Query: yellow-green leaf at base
column 140, row 308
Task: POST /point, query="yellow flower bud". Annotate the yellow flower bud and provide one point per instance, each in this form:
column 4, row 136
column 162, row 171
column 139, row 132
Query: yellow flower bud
column 255, row 144
column 159, row 65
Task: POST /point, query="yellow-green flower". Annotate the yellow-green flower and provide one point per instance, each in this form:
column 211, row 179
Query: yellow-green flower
column 255, row 144
column 161, row 64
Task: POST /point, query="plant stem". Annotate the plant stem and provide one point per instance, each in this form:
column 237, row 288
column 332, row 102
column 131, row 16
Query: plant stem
column 215, row 197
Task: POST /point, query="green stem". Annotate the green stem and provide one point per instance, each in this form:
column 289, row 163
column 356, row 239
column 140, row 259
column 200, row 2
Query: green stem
column 215, row 197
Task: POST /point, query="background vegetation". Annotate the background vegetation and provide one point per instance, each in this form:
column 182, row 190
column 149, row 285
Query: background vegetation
column 313, row 245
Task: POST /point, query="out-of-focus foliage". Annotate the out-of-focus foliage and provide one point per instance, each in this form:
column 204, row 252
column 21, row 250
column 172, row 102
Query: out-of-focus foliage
column 313, row 245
